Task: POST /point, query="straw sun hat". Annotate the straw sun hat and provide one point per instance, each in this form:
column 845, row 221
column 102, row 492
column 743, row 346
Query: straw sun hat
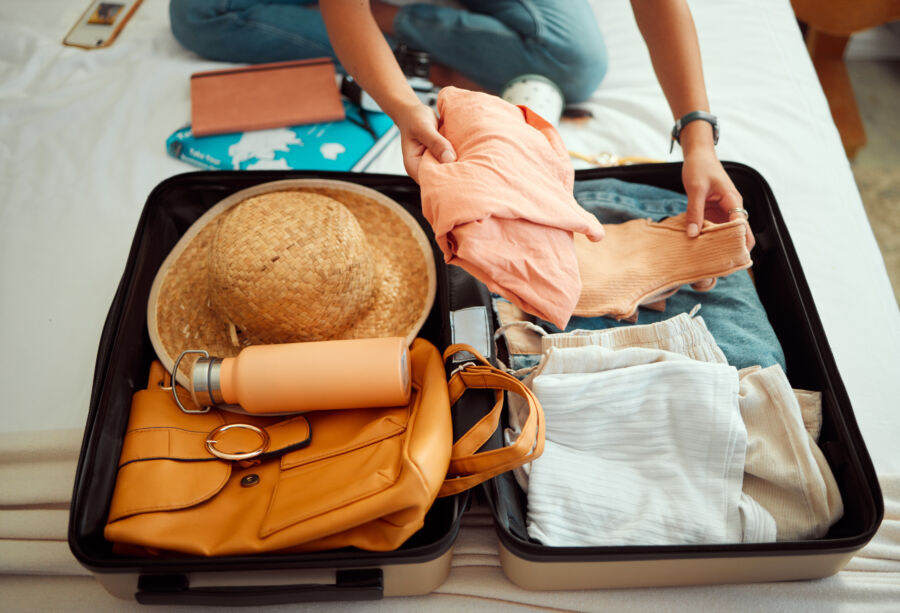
column 292, row 261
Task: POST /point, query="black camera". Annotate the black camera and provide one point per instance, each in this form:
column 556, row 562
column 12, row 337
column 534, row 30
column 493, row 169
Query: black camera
column 416, row 66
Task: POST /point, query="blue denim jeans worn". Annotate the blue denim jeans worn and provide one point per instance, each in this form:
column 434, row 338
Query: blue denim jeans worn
column 491, row 41
column 251, row 31
column 732, row 309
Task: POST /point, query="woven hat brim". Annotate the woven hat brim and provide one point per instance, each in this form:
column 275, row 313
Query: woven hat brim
column 179, row 315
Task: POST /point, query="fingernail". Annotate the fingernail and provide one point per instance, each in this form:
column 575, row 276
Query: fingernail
column 448, row 156
column 693, row 230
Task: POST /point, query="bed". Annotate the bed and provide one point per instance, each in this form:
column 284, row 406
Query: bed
column 82, row 138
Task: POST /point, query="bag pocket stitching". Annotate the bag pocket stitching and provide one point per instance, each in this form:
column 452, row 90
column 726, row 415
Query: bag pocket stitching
column 180, row 506
column 400, row 428
column 308, row 467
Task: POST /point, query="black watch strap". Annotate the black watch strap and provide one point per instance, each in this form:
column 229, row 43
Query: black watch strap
column 694, row 116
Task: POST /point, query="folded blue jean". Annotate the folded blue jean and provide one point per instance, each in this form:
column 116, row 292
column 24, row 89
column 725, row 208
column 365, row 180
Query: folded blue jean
column 732, row 310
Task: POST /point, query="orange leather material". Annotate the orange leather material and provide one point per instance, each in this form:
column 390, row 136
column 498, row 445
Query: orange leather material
column 469, row 467
column 641, row 260
column 366, row 478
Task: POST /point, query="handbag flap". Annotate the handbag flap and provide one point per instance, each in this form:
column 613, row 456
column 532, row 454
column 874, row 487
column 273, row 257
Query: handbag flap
column 166, row 485
column 164, row 463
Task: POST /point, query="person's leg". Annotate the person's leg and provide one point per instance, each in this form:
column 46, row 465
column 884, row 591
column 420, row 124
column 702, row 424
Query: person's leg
column 251, row 31
column 497, row 40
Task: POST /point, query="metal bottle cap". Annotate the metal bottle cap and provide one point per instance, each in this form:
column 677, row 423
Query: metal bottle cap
column 206, row 385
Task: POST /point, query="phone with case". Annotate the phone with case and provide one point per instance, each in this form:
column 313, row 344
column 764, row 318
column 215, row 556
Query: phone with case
column 101, row 23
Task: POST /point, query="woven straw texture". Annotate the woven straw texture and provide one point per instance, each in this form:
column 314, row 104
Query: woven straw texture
column 291, row 265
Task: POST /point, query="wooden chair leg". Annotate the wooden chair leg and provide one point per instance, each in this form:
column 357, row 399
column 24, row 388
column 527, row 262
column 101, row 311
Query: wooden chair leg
column 827, row 53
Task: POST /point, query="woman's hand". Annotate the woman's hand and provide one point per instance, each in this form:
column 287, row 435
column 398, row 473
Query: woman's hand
column 419, row 133
column 365, row 54
column 671, row 37
column 710, row 191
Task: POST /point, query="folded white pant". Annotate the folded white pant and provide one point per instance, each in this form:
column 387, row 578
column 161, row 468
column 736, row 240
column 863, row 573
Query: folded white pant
column 644, row 447
column 681, row 334
column 785, row 470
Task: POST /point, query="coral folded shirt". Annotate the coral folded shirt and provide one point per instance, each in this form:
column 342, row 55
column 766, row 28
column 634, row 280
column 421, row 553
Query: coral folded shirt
column 504, row 211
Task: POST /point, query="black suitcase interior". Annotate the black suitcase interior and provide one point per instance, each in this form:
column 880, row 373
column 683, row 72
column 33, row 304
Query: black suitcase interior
column 125, row 353
column 784, row 293
column 123, row 359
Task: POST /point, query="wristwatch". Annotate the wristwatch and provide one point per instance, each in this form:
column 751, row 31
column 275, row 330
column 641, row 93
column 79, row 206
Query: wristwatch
column 694, row 116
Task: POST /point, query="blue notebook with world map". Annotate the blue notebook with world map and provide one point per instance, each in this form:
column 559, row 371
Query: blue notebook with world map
column 346, row 145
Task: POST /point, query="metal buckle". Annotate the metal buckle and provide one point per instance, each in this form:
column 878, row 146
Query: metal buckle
column 211, row 442
column 171, row 388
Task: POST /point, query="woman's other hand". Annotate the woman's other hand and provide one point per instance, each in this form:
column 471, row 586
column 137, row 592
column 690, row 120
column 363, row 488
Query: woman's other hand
column 710, row 191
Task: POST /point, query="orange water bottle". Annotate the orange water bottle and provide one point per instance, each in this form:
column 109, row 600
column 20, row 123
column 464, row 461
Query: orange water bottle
column 301, row 377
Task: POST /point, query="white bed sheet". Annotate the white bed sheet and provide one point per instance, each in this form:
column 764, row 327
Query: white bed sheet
column 82, row 145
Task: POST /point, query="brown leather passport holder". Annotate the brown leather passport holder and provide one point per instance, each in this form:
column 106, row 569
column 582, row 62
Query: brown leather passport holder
column 264, row 96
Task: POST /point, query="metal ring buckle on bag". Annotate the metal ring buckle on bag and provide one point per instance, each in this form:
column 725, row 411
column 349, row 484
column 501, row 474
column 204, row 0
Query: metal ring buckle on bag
column 211, row 442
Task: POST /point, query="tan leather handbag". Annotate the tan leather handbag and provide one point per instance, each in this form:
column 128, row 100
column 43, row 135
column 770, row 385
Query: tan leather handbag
column 223, row 483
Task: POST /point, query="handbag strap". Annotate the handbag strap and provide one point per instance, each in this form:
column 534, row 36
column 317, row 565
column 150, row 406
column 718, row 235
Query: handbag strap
column 468, row 467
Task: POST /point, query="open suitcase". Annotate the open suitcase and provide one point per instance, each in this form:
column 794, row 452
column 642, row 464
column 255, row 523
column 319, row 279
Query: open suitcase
column 786, row 297
column 462, row 313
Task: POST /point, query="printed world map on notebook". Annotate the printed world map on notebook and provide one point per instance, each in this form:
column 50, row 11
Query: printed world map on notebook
column 337, row 146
